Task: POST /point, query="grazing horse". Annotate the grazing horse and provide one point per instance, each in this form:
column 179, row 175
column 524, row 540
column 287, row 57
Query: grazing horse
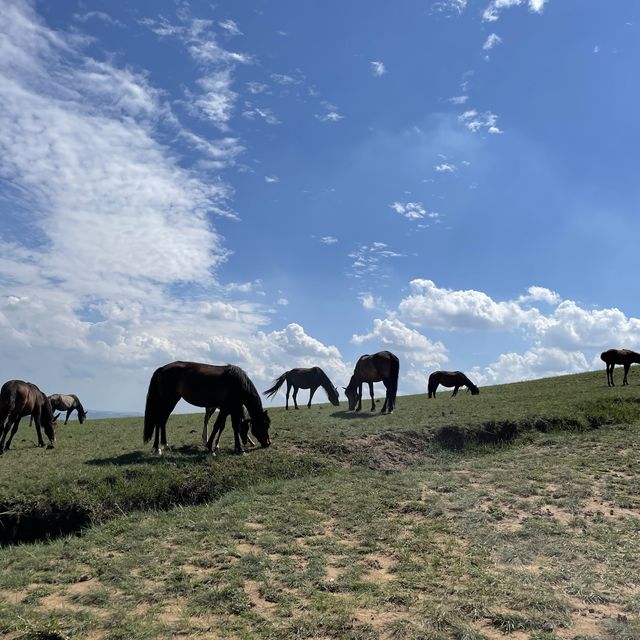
column 305, row 379
column 625, row 357
column 19, row 399
column 382, row 366
column 203, row 385
column 244, row 428
column 68, row 403
column 454, row 379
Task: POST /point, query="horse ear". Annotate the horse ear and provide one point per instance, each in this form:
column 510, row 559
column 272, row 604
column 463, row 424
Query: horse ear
column 345, row 388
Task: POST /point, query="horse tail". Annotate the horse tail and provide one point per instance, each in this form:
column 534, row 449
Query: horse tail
column 277, row 383
column 432, row 385
column 7, row 403
column 151, row 406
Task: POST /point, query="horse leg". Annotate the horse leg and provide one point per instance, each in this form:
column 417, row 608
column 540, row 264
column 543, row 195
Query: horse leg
column 359, row 405
column 626, row 373
column 16, row 422
column 160, row 439
column 217, row 429
column 386, row 404
column 236, row 418
column 286, row 406
column 311, row 392
column 68, row 414
column 4, row 430
column 373, row 402
column 295, row 395
column 455, row 391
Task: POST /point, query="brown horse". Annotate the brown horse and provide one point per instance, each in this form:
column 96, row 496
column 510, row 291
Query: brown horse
column 383, row 367
column 625, row 357
column 68, row 403
column 454, row 379
column 244, row 428
column 19, row 399
column 204, row 385
column 305, row 379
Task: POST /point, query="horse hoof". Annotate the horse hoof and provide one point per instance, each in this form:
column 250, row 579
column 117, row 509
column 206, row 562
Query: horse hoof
column 51, row 446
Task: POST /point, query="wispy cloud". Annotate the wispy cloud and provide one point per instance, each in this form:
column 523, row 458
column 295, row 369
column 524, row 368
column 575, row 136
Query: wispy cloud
column 458, row 99
column 271, row 179
column 328, row 240
column 367, row 259
column 230, row 27
column 377, row 68
column 492, row 41
column 492, row 12
column 445, row 167
column 449, row 6
column 253, row 112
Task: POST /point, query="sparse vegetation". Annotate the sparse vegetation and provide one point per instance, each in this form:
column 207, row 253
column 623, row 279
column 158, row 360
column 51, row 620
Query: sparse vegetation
column 349, row 528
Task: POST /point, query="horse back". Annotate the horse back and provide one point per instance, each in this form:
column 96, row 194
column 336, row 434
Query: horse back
column 23, row 398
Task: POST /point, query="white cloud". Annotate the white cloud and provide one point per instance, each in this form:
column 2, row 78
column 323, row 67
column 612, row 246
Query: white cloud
column 413, row 210
column 417, row 353
column 368, row 260
column 449, row 6
column 458, row 99
column 330, row 116
column 271, row 179
column 540, row 294
column 492, row 41
column 252, row 112
column 475, row 121
column 328, row 240
column 230, row 27
column 492, row 12
column 377, row 68
column 445, row 167
column 283, row 302
column 429, row 306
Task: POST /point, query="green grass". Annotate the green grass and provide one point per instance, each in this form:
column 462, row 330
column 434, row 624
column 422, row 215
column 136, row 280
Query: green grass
column 359, row 528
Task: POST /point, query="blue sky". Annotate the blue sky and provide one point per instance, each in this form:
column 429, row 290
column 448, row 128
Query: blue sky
column 295, row 184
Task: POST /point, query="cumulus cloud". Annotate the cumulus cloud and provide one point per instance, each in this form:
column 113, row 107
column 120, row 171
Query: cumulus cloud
column 432, row 307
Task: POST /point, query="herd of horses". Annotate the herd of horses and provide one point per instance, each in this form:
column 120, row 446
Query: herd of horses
column 228, row 389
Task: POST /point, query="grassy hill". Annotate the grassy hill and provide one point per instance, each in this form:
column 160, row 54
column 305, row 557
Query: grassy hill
column 512, row 512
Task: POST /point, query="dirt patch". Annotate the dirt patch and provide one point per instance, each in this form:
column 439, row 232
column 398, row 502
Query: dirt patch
column 260, row 605
column 390, row 451
column 379, row 569
column 245, row 548
column 380, row 621
column 490, row 632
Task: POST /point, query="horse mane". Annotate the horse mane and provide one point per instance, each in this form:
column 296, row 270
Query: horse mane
column 326, row 384
column 78, row 403
column 46, row 412
column 251, row 398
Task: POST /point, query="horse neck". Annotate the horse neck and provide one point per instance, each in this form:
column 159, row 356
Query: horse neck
column 254, row 406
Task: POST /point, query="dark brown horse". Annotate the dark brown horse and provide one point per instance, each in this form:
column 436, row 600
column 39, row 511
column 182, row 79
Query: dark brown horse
column 305, row 379
column 204, row 385
column 625, row 357
column 383, row 367
column 19, row 399
column 244, row 428
column 454, row 379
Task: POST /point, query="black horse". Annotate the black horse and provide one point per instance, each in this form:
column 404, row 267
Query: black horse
column 19, row 399
column 305, row 379
column 625, row 357
column 204, row 385
column 454, row 379
column 383, row 367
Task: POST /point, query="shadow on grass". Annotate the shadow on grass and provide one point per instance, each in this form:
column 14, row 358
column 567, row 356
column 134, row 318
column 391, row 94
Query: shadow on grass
column 190, row 452
column 354, row 415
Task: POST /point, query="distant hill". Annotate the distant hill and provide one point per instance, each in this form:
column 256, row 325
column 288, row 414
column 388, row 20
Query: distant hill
column 94, row 414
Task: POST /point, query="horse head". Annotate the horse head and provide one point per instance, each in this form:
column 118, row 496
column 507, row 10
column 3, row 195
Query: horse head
column 352, row 397
column 261, row 429
column 334, row 397
column 50, row 428
column 82, row 415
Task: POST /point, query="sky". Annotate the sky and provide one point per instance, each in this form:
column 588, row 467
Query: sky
column 295, row 184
